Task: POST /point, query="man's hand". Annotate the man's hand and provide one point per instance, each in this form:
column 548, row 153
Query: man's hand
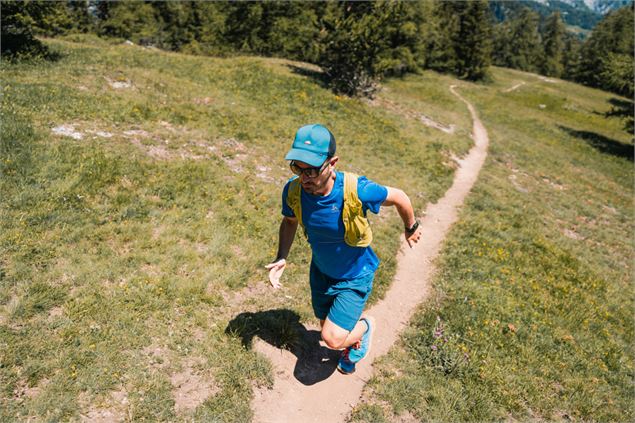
column 413, row 237
column 275, row 271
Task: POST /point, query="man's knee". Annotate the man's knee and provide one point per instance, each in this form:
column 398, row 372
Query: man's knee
column 333, row 340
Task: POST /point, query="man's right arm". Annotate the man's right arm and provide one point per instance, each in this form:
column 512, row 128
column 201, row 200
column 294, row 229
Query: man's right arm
column 288, row 228
column 286, row 236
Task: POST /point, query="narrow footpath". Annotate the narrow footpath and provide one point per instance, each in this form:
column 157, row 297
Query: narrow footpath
column 307, row 388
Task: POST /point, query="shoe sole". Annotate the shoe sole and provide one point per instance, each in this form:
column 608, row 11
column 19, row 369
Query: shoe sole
column 339, row 369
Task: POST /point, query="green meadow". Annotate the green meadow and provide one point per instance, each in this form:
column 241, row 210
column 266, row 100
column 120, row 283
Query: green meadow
column 140, row 201
column 141, row 196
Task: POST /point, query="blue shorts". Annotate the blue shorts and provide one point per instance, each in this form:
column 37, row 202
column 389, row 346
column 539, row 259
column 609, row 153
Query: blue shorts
column 342, row 301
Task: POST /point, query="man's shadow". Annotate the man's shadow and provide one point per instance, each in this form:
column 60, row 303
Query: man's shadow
column 282, row 329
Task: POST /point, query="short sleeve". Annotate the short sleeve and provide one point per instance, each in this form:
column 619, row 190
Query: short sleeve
column 286, row 210
column 371, row 194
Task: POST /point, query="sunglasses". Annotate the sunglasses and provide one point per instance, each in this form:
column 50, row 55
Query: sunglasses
column 309, row 172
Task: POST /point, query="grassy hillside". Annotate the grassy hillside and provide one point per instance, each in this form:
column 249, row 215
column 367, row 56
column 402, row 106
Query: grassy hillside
column 533, row 313
column 140, row 202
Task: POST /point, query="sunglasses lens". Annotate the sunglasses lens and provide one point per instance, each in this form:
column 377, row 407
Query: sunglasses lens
column 310, row 172
column 295, row 168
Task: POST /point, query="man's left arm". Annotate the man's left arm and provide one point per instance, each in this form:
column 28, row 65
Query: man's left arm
column 401, row 201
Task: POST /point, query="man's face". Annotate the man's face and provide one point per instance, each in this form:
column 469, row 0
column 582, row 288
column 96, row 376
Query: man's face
column 318, row 184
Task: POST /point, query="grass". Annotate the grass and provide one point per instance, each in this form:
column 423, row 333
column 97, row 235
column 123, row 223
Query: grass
column 128, row 254
column 532, row 313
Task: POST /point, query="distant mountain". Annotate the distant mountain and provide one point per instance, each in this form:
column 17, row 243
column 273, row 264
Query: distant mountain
column 598, row 6
column 581, row 13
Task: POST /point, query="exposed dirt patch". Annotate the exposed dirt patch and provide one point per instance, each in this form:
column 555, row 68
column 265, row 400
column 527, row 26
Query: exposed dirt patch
column 67, row 130
column 191, row 387
column 234, row 145
column 406, row 417
column 238, row 252
column 119, row 83
column 56, row 312
column 136, row 133
column 264, row 173
column 176, row 142
column 610, row 209
column 203, row 100
column 548, row 80
column 570, row 233
column 552, row 184
column 243, row 299
column 233, row 162
column 563, row 416
column 23, row 391
column 199, row 334
column 116, row 408
column 514, row 181
column 171, row 142
column 157, row 356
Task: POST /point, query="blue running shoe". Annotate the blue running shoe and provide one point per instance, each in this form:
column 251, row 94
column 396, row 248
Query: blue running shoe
column 357, row 354
column 345, row 365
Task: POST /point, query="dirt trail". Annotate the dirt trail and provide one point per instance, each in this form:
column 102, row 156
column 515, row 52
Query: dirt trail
column 307, row 388
column 515, row 87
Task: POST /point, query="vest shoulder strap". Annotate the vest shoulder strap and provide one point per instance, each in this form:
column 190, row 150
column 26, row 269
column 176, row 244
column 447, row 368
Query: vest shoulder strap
column 350, row 187
column 294, row 198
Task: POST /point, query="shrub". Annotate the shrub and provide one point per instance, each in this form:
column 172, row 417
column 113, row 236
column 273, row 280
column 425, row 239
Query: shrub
column 18, row 40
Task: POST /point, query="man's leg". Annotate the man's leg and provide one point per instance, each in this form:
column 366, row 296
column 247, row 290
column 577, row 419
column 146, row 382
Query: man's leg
column 338, row 338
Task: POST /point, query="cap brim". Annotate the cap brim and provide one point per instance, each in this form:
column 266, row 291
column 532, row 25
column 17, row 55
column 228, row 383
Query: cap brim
column 307, row 157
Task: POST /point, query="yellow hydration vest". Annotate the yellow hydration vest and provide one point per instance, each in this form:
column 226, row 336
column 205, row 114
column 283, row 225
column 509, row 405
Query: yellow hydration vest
column 357, row 232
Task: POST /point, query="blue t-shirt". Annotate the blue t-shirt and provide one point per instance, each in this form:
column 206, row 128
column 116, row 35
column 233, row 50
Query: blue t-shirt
column 322, row 219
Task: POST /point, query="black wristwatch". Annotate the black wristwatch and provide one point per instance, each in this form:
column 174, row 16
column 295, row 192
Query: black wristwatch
column 413, row 228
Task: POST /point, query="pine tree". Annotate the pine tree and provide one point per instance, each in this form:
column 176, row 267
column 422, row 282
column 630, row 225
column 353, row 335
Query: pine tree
column 461, row 41
column 176, row 23
column 18, row 40
column 473, row 42
column 244, row 31
column 421, row 15
column 553, row 44
column 359, row 47
column 208, row 22
column 571, row 56
column 525, row 46
column 440, row 52
column 607, row 52
column 501, row 47
column 133, row 20
column 81, row 18
column 294, row 31
column 399, row 40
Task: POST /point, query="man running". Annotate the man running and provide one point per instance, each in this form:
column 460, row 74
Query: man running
column 331, row 207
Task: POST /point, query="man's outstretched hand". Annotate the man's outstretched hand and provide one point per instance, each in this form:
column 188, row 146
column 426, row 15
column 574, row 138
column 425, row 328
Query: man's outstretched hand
column 413, row 238
column 275, row 271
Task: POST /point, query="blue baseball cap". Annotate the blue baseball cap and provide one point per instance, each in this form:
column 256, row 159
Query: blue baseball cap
column 313, row 144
